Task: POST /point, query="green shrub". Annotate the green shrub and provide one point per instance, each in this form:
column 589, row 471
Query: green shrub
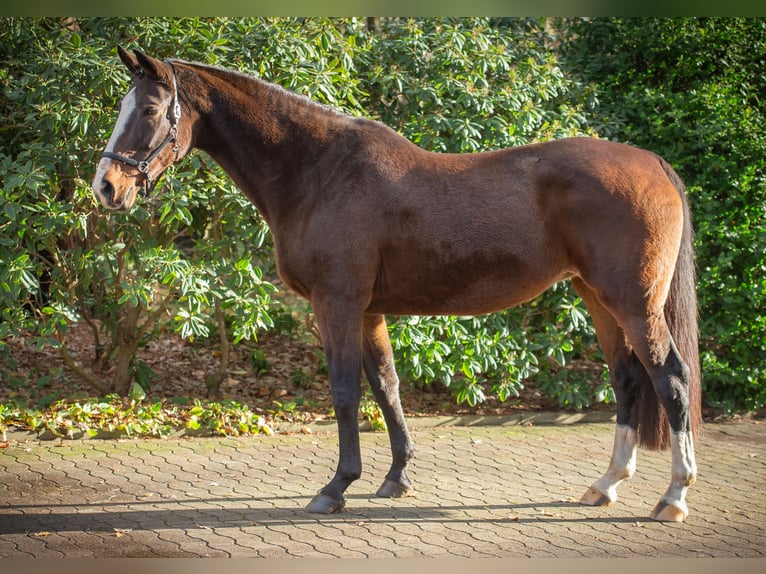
column 197, row 259
column 694, row 91
column 468, row 85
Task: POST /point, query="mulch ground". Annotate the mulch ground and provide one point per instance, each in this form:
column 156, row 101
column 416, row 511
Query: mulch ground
column 278, row 373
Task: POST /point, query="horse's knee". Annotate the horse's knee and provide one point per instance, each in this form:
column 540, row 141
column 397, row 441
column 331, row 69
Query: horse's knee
column 346, row 408
column 346, row 399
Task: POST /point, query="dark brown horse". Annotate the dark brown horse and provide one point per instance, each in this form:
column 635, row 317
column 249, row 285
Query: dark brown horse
column 365, row 224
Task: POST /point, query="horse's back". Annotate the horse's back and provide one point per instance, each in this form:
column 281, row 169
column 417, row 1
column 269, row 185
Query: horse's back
column 468, row 234
column 476, row 233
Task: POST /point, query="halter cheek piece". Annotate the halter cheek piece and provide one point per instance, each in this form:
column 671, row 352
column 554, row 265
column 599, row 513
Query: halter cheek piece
column 174, row 115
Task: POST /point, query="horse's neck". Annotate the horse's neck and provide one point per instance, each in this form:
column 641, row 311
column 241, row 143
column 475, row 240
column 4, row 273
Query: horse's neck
column 259, row 134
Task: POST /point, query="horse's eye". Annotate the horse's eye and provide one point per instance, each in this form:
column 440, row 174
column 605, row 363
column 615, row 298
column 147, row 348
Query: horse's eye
column 151, row 111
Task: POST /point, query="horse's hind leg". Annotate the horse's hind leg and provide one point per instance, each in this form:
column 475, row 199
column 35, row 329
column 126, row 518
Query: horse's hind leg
column 379, row 367
column 644, row 359
column 624, row 368
column 669, row 373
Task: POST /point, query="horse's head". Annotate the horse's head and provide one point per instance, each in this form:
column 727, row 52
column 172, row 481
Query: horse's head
column 149, row 135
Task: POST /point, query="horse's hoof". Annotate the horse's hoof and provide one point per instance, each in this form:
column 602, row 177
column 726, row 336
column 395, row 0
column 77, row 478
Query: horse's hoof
column 323, row 504
column 391, row 489
column 594, row 497
column 668, row 512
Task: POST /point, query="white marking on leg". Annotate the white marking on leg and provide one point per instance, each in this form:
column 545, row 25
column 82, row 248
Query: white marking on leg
column 622, row 464
column 126, row 110
column 684, row 470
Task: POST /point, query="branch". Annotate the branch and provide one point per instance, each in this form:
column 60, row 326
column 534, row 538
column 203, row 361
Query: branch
column 214, row 381
column 151, row 317
column 99, row 348
column 84, row 374
column 223, row 337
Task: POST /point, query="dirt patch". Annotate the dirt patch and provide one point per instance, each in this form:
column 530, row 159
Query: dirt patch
column 277, row 373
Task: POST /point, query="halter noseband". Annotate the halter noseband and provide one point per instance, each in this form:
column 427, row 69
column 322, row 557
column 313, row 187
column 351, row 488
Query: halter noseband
column 143, row 165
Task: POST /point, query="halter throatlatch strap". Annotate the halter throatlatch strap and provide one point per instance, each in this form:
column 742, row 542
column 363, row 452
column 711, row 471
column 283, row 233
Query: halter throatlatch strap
column 174, row 115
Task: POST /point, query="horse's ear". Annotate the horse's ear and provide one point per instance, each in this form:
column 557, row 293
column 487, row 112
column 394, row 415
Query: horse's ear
column 154, row 68
column 130, row 61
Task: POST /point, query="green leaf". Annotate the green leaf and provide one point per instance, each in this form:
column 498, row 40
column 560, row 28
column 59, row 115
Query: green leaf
column 137, row 392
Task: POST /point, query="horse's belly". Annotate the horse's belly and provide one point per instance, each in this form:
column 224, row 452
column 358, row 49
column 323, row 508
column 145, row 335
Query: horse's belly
column 425, row 305
column 468, row 291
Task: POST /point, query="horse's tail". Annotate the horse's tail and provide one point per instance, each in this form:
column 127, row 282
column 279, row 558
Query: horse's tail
column 681, row 317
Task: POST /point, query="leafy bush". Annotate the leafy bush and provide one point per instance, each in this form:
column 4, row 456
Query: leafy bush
column 177, row 262
column 188, row 262
column 197, row 259
column 694, row 91
column 468, row 85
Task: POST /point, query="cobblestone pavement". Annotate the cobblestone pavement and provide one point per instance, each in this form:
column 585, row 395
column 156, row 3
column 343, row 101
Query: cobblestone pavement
column 481, row 491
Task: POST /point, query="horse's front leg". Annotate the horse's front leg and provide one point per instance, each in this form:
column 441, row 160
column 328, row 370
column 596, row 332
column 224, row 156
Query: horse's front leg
column 341, row 330
column 381, row 373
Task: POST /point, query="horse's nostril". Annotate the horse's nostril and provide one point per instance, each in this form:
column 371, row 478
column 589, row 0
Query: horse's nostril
column 107, row 191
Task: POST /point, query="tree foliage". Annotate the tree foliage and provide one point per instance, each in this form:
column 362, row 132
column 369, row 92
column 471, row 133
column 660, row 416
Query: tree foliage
column 197, row 258
column 187, row 260
column 694, row 91
column 457, row 85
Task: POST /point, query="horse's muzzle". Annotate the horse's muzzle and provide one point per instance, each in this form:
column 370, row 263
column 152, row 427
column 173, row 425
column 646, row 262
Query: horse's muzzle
column 105, row 192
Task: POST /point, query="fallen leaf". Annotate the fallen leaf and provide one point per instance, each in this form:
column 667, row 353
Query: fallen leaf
column 43, row 533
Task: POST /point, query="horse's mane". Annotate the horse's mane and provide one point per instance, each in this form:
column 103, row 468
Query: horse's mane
column 236, row 77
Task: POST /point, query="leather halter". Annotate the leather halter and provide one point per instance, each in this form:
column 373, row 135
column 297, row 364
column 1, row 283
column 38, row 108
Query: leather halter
column 143, row 165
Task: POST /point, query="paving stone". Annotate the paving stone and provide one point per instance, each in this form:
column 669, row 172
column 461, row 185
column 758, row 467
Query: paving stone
column 496, row 491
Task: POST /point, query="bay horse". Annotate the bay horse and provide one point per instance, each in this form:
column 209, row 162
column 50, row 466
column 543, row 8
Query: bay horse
column 365, row 223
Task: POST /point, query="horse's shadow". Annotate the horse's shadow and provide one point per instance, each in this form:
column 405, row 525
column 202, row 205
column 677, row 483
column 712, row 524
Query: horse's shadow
column 270, row 512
